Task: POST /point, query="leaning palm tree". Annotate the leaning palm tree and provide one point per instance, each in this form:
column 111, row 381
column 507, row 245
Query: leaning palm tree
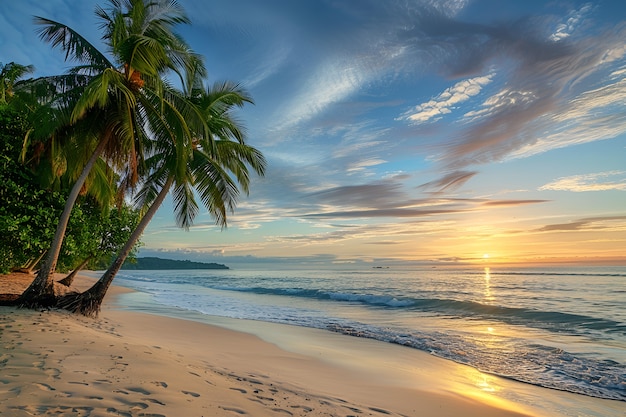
column 212, row 161
column 114, row 98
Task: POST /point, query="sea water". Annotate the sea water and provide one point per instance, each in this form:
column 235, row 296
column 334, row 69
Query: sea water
column 559, row 328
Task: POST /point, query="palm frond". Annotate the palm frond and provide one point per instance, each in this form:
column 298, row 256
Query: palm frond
column 71, row 42
column 101, row 90
column 185, row 207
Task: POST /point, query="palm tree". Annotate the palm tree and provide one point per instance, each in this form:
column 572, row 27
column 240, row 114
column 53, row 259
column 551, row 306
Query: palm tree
column 183, row 160
column 9, row 75
column 114, row 100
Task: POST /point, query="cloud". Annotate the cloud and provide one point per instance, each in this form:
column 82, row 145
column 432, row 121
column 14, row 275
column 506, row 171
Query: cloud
column 446, row 101
column 546, row 92
column 391, row 212
column 510, row 203
column 381, row 194
column 361, row 166
column 450, row 181
column 605, row 224
column 573, row 19
column 597, row 114
column 599, row 181
column 387, row 199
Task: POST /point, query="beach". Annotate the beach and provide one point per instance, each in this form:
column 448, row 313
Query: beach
column 127, row 363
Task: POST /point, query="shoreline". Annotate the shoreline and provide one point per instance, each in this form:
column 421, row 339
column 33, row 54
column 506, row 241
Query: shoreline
column 134, row 363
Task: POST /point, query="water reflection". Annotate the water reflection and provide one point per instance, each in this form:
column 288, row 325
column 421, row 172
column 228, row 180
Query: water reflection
column 483, row 383
column 487, row 293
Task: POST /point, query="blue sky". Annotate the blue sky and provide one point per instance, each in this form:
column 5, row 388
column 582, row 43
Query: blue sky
column 403, row 131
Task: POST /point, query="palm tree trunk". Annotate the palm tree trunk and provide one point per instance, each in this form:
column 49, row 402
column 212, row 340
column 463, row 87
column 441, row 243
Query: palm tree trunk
column 68, row 280
column 41, row 290
column 30, row 265
column 89, row 302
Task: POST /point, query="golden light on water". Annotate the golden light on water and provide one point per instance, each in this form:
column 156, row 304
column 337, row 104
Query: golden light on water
column 483, row 384
column 487, row 293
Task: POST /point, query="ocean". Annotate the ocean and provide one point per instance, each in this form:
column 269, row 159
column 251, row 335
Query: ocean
column 562, row 328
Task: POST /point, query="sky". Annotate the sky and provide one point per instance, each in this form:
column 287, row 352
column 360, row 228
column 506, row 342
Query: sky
column 401, row 131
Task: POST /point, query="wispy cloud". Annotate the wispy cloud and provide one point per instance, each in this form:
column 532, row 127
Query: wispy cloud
column 572, row 20
column 388, row 199
column 611, row 223
column 546, row 92
column 599, row 181
column 511, row 203
column 444, row 103
column 450, row 181
column 361, row 166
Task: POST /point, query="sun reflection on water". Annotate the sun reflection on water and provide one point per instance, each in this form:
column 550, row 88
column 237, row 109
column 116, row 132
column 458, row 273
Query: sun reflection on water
column 483, row 384
column 487, row 293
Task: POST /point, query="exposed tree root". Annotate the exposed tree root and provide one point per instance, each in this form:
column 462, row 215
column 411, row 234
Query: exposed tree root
column 36, row 303
column 82, row 303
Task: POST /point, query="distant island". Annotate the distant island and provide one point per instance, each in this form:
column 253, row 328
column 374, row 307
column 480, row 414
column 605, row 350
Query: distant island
column 159, row 263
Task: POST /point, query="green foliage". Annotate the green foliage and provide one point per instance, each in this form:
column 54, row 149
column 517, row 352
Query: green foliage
column 29, row 212
column 94, row 235
column 9, row 75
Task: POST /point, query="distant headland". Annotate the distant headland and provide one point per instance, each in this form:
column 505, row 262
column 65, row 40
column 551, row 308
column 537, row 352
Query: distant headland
column 154, row 263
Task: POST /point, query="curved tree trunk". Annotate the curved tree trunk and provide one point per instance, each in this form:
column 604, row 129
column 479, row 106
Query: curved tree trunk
column 68, row 280
column 89, row 302
column 30, row 265
column 41, row 290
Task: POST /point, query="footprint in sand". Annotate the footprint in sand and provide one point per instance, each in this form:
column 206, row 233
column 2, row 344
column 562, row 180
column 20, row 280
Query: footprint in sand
column 262, row 398
column 139, row 390
column 102, row 381
column 44, row 387
column 153, row 401
column 380, row 410
column 160, row 384
column 120, row 391
column 4, row 358
column 138, row 406
column 280, row 410
column 306, row 409
column 52, row 372
column 117, row 412
column 234, row 410
column 243, row 391
column 193, row 394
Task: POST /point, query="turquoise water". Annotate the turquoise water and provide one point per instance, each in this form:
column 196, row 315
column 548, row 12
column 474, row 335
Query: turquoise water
column 559, row 328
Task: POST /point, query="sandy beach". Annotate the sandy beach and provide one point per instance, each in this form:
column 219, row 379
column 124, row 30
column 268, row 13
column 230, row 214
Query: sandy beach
column 134, row 364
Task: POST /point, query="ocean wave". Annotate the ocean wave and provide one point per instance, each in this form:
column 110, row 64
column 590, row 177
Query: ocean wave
column 549, row 320
column 538, row 365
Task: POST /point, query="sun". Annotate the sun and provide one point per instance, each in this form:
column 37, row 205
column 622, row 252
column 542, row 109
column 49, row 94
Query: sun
column 486, row 256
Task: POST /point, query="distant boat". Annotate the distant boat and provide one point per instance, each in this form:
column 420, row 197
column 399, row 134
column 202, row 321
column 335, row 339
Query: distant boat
column 380, row 267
